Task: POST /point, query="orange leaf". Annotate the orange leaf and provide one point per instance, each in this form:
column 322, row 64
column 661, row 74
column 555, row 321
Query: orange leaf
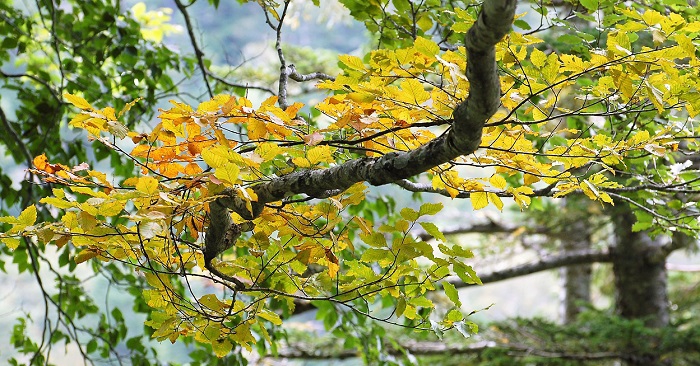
column 192, row 169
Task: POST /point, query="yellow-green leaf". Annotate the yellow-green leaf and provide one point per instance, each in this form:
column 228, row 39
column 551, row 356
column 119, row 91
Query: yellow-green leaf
column 211, row 302
column 433, row 230
column 538, row 57
column 270, row 316
column 409, row 214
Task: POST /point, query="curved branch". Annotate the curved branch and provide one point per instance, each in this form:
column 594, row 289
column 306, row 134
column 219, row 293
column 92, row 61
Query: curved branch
column 494, row 22
column 464, row 137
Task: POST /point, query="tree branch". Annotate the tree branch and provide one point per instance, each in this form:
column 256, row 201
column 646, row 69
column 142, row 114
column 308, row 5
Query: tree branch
column 193, row 40
column 296, row 76
column 490, row 227
column 427, row 348
column 545, row 263
column 18, row 140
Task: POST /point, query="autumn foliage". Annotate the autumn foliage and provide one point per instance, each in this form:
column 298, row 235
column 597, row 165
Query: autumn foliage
column 568, row 123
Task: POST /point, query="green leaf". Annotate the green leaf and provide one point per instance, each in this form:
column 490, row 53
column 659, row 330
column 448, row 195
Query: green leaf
column 641, row 226
column 521, row 24
column 466, row 273
column 433, row 230
column 591, row 5
column 381, row 256
column 451, row 293
column 430, row 208
column 374, row 239
column 466, row 328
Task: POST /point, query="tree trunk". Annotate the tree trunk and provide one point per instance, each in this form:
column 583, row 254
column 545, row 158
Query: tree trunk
column 639, row 266
column 576, row 279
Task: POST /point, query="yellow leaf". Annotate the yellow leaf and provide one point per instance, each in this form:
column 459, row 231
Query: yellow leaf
column 498, row 181
column 319, row 154
column 147, row 185
column 412, row 92
column 77, row 101
column 538, row 57
column 11, row 243
column 209, row 106
column 639, row 137
column 27, row 217
column 256, row 129
column 352, row 62
column 84, row 255
column 426, row 46
column 652, row 17
column 496, row 200
column 479, row 200
column 228, row 173
column 301, row 162
column 128, row 106
column 219, row 155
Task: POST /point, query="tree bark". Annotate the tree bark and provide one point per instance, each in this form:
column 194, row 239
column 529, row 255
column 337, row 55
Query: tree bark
column 639, row 266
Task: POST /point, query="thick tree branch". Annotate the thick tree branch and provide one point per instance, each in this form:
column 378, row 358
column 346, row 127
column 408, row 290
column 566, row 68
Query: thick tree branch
column 545, row 263
column 469, row 118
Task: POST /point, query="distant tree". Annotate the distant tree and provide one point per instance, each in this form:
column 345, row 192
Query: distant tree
column 239, row 215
